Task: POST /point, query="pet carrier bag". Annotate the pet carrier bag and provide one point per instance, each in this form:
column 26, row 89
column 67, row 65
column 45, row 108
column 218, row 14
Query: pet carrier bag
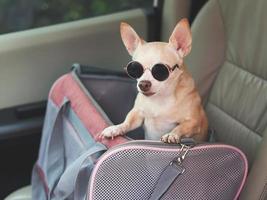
column 80, row 105
column 73, row 119
column 149, row 170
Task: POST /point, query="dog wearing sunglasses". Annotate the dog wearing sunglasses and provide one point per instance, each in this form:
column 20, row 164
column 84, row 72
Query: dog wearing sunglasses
column 168, row 104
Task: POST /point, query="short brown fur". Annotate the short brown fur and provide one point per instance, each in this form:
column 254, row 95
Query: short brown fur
column 172, row 109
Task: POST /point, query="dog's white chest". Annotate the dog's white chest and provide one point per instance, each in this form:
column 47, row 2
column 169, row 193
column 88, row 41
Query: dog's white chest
column 155, row 128
column 159, row 119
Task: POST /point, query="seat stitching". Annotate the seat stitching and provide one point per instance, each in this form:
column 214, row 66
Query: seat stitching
column 264, row 192
column 226, row 59
column 223, row 60
column 260, row 79
column 243, row 69
column 220, row 10
column 244, row 125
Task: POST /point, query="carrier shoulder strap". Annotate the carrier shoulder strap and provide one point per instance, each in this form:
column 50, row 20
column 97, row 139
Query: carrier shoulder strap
column 168, row 176
column 68, row 180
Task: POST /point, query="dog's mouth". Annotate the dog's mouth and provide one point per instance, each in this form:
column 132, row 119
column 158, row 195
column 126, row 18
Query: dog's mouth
column 148, row 94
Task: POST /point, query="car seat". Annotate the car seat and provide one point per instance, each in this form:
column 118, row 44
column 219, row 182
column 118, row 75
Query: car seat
column 229, row 64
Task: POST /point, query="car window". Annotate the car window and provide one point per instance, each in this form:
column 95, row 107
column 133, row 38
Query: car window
column 16, row 15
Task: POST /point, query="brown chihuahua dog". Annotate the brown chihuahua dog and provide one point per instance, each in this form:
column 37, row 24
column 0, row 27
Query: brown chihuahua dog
column 168, row 103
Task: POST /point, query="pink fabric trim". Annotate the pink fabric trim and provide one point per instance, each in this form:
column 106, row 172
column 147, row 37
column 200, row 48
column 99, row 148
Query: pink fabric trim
column 42, row 176
column 105, row 156
column 67, row 87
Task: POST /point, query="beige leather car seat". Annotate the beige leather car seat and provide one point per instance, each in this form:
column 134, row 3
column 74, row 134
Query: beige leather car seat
column 229, row 64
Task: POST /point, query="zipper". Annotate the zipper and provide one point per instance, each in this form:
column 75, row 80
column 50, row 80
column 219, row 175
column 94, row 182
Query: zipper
column 152, row 144
column 188, row 142
column 147, row 143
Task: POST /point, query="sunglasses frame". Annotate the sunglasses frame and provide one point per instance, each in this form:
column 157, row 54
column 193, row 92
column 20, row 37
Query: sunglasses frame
column 170, row 69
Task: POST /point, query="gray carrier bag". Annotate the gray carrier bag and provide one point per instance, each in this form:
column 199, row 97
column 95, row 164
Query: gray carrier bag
column 152, row 170
column 74, row 117
column 71, row 163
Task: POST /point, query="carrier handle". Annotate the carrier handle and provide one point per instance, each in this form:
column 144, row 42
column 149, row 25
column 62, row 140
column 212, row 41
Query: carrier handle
column 67, row 180
column 168, row 176
column 81, row 167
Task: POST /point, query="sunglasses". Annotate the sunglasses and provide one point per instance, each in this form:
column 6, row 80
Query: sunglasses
column 159, row 71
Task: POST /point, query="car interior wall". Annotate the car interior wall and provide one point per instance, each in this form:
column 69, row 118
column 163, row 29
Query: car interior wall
column 52, row 50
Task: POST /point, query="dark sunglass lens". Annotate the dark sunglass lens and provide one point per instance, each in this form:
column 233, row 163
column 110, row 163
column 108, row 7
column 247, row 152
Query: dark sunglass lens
column 160, row 72
column 135, row 70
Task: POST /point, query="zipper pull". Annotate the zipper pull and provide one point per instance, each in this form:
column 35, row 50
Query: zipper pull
column 188, row 142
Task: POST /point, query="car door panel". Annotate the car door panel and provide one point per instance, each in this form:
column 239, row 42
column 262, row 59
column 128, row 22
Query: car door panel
column 30, row 61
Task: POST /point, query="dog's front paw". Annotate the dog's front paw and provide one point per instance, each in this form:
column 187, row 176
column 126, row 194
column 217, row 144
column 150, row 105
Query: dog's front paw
column 171, row 138
column 112, row 131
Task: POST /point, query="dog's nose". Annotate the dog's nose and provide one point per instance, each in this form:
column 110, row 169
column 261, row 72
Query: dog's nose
column 144, row 85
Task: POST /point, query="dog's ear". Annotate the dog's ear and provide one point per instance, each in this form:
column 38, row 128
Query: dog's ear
column 130, row 38
column 181, row 38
